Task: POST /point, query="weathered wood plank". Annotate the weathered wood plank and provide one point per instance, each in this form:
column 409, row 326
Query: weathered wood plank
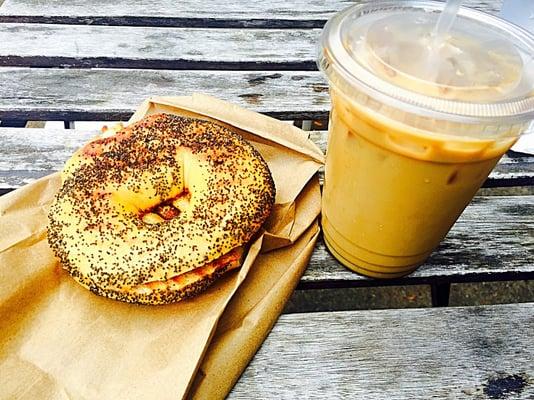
column 452, row 353
column 32, row 153
column 47, row 45
column 492, row 240
column 191, row 13
column 29, row 154
column 113, row 94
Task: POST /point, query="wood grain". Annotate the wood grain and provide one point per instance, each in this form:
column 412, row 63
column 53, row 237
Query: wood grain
column 48, row 45
column 113, row 94
column 253, row 13
column 471, row 353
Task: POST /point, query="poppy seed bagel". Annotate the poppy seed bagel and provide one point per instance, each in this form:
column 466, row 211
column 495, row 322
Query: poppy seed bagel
column 158, row 210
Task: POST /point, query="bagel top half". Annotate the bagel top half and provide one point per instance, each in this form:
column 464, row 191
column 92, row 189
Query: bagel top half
column 156, row 211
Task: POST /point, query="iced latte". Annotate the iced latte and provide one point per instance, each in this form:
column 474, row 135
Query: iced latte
column 416, row 126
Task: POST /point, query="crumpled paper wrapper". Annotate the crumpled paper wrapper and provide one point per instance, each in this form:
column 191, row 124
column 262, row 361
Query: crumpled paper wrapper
column 60, row 341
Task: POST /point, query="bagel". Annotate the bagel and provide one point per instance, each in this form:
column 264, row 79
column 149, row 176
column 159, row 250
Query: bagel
column 158, row 210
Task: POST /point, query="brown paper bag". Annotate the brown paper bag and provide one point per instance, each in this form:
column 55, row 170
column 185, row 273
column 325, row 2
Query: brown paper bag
column 59, row 341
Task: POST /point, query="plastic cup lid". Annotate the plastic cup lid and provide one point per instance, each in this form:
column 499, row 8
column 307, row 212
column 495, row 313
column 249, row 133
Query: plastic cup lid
column 482, row 68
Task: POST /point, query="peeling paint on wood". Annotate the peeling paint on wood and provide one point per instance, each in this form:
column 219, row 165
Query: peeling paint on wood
column 475, row 353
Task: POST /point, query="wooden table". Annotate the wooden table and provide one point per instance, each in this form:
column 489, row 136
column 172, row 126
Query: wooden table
column 72, row 60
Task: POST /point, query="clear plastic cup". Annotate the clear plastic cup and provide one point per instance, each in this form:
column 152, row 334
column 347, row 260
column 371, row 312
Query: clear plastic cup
column 417, row 124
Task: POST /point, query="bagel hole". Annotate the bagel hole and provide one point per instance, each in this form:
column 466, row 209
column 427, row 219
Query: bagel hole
column 166, row 210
